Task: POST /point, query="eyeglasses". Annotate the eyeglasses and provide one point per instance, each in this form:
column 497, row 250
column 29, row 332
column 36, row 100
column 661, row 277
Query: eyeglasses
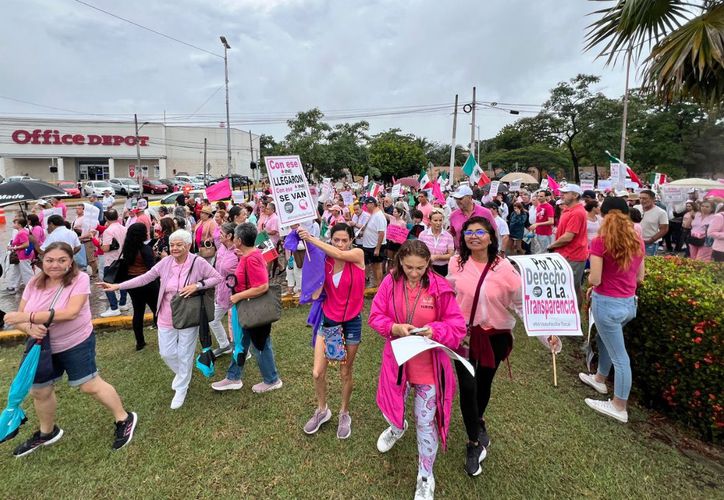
column 477, row 232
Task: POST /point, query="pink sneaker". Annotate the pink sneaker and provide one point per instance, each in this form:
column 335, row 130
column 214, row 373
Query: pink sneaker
column 227, row 385
column 264, row 387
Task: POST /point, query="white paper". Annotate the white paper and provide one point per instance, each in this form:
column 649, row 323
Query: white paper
column 238, row 197
column 544, row 184
column 515, row 185
column 494, row 188
column 347, row 197
column 396, row 191
column 586, row 185
column 290, row 190
column 405, row 348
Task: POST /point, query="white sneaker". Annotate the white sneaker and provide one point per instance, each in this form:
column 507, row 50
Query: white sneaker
column 124, row 307
column 425, row 488
column 178, row 400
column 388, row 439
column 590, row 379
column 109, row 313
column 607, row 408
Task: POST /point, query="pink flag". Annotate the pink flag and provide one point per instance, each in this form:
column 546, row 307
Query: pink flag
column 553, row 186
column 219, row 191
column 437, row 192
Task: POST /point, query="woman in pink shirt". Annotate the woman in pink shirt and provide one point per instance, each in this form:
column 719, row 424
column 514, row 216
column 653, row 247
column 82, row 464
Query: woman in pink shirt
column 438, row 241
column 700, row 242
column 397, row 219
column 617, row 266
column 415, row 300
column 21, row 273
column 716, row 232
column 487, row 287
column 344, row 286
column 54, row 310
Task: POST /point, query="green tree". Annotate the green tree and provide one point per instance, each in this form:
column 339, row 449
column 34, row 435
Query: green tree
column 347, row 147
column 307, row 138
column 536, row 155
column 396, row 154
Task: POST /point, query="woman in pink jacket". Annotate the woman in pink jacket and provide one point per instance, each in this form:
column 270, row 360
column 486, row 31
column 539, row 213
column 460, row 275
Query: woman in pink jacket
column 413, row 297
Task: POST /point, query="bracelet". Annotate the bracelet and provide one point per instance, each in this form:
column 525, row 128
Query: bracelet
column 32, row 314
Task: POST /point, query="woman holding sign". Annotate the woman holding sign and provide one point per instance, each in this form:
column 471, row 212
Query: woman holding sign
column 344, row 287
column 617, row 266
column 487, row 287
column 415, row 300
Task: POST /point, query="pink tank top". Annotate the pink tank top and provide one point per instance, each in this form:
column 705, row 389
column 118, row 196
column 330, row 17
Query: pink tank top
column 345, row 300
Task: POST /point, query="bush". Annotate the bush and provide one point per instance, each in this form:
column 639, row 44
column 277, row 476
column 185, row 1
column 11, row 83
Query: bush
column 675, row 342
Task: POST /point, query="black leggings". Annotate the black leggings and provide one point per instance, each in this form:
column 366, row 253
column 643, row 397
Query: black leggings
column 475, row 391
column 140, row 297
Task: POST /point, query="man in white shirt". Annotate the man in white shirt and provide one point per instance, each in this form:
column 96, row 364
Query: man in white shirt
column 373, row 240
column 359, row 219
column 58, row 231
column 108, row 200
column 503, row 232
column 655, row 222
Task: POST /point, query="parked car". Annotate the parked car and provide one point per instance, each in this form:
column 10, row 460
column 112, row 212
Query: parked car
column 125, row 186
column 70, row 188
column 97, row 188
column 154, row 186
column 238, row 182
column 182, row 180
column 18, row 178
column 168, row 183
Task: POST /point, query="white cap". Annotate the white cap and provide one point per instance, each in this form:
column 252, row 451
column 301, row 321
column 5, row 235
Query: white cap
column 571, row 188
column 462, row 191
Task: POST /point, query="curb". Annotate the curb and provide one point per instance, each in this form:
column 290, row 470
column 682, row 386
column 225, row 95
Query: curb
column 125, row 321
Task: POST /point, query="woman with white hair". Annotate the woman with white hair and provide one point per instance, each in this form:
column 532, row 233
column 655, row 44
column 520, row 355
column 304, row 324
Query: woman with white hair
column 180, row 273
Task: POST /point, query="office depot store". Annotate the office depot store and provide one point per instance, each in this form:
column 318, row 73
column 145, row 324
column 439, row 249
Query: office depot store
column 95, row 150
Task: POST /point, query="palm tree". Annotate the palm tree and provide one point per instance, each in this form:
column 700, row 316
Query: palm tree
column 686, row 42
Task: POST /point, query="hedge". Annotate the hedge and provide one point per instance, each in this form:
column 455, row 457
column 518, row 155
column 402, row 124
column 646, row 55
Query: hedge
column 675, row 342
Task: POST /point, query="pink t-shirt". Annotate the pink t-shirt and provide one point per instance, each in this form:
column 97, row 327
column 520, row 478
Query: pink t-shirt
column 64, row 335
column 616, row 282
column 117, row 231
column 426, row 211
column 419, row 368
column 255, row 265
column 177, row 277
column 21, row 238
column 542, row 213
column 441, row 244
column 272, row 224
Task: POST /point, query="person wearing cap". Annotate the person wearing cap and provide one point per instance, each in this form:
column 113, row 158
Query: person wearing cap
column 335, row 216
column 466, row 209
column 373, row 240
column 204, row 234
column 108, row 200
column 588, row 195
column 543, row 225
column 572, row 234
column 654, row 222
column 138, row 214
column 617, row 267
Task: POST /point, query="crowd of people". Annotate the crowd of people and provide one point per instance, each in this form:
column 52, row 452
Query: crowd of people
column 438, row 264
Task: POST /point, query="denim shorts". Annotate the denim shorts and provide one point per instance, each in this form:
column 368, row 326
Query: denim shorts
column 352, row 328
column 78, row 362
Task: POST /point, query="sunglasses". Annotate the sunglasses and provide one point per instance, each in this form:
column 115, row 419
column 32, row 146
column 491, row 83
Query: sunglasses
column 477, row 232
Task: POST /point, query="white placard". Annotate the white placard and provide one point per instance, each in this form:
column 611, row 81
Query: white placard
column 515, row 185
column 405, row 348
column 544, row 184
column 290, row 190
column 347, row 197
column 494, row 185
column 605, row 184
column 90, row 216
column 238, row 197
column 674, row 194
column 585, row 185
column 549, row 298
column 47, row 212
column 396, row 191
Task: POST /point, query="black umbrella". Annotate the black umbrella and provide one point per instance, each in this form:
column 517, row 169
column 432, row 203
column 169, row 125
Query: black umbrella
column 24, row 191
column 205, row 360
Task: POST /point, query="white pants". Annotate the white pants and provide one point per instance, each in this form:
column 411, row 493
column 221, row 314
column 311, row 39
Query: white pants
column 177, row 348
column 217, row 326
column 18, row 274
column 294, row 278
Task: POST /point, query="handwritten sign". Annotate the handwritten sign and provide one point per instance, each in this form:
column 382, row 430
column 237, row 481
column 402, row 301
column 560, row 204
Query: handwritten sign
column 673, row 194
column 290, row 190
column 544, row 184
column 515, row 185
column 238, row 197
column 397, row 234
column 396, row 191
column 549, row 298
column 494, row 188
column 605, row 184
column 347, row 197
column 585, row 185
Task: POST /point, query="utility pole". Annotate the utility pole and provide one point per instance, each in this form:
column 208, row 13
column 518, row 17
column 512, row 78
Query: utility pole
column 478, row 129
column 228, row 124
column 251, row 152
column 204, row 170
column 454, row 142
column 625, row 110
column 472, row 129
column 138, row 148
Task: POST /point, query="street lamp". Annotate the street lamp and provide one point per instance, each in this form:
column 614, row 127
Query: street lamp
column 228, row 125
column 138, row 147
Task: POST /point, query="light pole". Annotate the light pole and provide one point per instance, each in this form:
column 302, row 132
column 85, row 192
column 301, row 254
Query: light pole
column 228, row 125
column 138, row 147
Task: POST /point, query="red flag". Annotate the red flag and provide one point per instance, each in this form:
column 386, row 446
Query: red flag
column 634, row 177
column 553, row 185
column 437, row 192
column 219, row 191
column 484, row 179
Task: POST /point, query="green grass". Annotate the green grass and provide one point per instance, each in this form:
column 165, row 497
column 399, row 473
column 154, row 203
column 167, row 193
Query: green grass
column 545, row 442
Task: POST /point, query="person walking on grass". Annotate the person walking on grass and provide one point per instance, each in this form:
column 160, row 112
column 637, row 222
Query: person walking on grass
column 617, row 266
column 487, row 288
column 55, row 303
column 344, row 286
column 415, row 300
column 111, row 243
column 180, row 273
column 225, row 264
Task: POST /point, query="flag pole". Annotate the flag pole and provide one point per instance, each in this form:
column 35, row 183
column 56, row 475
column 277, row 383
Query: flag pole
column 454, row 140
column 555, row 371
column 625, row 110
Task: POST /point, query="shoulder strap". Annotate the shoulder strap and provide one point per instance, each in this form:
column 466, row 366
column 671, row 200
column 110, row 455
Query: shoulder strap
column 188, row 276
column 474, row 309
column 349, row 293
column 52, row 304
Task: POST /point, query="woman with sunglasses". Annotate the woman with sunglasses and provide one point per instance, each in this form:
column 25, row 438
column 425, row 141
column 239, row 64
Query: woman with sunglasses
column 225, row 264
column 487, row 287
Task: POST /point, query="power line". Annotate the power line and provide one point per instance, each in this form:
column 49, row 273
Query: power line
column 148, row 29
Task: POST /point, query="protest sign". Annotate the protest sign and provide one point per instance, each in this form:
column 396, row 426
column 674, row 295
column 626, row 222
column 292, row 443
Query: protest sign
column 494, row 188
column 397, row 234
column 515, row 185
column 544, row 184
column 674, row 194
column 586, row 185
column 48, row 212
column 347, row 197
column 605, row 184
column 405, row 348
column 290, row 190
column 238, row 197
column 396, row 191
column 549, row 298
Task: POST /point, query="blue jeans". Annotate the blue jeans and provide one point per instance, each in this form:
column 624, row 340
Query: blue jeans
column 112, row 300
column 651, row 248
column 610, row 314
column 264, row 358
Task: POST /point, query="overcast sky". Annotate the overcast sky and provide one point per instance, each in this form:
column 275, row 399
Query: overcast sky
column 346, row 57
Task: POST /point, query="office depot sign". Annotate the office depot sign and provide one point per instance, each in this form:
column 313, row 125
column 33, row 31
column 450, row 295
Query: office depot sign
column 54, row 137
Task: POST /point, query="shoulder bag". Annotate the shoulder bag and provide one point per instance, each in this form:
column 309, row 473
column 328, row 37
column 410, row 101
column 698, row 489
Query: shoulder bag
column 335, row 348
column 465, row 344
column 186, row 311
column 262, row 310
column 207, row 249
column 111, row 273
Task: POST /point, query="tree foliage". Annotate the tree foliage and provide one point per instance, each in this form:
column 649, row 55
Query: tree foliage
column 395, row 154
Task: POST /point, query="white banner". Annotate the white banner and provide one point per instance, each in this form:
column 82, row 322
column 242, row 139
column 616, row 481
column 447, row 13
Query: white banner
column 674, row 194
column 238, row 197
column 396, row 191
column 290, row 190
column 586, row 185
column 605, row 184
column 405, row 348
column 515, row 185
column 549, row 299
column 494, row 185
column 347, row 197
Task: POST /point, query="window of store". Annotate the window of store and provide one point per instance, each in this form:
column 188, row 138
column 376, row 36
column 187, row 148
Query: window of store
column 92, row 171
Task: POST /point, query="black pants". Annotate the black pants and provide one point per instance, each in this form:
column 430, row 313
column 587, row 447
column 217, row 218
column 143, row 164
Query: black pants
column 258, row 336
column 141, row 297
column 475, row 391
column 440, row 269
column 673, row 238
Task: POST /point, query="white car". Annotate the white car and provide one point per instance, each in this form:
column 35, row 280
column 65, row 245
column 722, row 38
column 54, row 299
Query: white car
column 97, row 188
column 18, row 178
column 126, row 186
column 169, row 201
column 182, row 180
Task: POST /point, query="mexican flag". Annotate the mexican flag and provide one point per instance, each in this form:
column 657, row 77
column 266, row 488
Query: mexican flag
column 658, row 179
column 632, row 175
column 469, row 165
column 268, row 250
column 375, row 189
column 442, row 179
column 478, row 176
column 424, row 180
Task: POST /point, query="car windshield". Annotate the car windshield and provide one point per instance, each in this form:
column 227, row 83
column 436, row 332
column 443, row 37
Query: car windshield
column 67, row 184
column 101, row 184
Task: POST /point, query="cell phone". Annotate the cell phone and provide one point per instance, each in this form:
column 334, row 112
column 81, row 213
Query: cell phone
column 415, row 331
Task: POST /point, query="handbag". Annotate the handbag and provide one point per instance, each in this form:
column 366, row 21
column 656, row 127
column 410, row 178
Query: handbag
column 335, row 348
column 186, row 311
column 45, row 362
column 207, row 249
column 465, row 344
column 13, row 258
column 110, row 273
column 262, row 310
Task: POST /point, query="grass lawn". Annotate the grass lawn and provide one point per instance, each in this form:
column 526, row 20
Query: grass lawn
column 545, row 442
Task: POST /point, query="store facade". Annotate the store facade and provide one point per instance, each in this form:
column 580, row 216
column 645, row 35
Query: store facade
column 96, row 150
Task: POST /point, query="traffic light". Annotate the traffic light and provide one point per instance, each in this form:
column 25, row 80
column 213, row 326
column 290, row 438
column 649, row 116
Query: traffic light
column 252, row 165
